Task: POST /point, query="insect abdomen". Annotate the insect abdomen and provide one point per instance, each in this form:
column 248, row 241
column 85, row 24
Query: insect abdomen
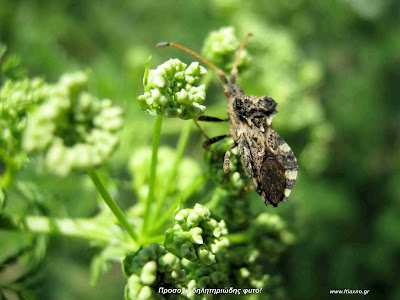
column 272, row 181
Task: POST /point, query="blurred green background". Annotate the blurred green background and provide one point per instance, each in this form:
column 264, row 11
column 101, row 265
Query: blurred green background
column 332, row 66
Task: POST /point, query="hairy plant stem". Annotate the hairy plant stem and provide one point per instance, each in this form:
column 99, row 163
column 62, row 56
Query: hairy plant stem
column 153, row 173
column 181, row 147
column 112, row 204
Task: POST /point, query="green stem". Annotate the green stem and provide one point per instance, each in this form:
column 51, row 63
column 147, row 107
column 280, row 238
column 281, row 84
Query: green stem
column 81, row 228
column 153, row 173
column 112, row 204
column 238, row 237
column 182, row 144
column 11, row 171
column 189, row 191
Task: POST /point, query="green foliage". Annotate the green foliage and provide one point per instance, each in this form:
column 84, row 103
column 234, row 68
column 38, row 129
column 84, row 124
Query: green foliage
column 73, row 128
column 236, row 180
column 332, row 67
column 170, row 90
column 220, row 49
column 9, row 65
column 199, row 254
column 3, row 198
column 16, row 99
column 21, row 258
column 149, row 268
column 196, row 237
column 187, row 173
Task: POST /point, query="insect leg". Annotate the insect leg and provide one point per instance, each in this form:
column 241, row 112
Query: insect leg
column 234, row 71
column 209, row 142
column 201, row 130
column 211, row 119
column 228, row 157
column 207, row 119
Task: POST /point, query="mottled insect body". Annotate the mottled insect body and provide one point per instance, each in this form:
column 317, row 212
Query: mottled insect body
column 266, row 158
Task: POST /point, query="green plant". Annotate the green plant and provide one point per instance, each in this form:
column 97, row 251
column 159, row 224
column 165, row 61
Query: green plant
column 170, row 238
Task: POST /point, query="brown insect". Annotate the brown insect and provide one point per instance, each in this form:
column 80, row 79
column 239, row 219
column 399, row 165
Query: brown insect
column 266, row 158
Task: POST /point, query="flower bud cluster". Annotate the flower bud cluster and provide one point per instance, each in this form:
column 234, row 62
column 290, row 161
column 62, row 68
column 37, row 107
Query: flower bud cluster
column 171, row 90
column 18, row 96
column 203, row 276
column 247, row 270
column 74, row 129
column 234, row 208
column 220, row 48
column 149, row 267
column 196, row 236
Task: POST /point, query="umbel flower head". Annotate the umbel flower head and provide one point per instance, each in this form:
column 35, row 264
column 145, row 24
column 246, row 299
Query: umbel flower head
column 220, row 48
column 148, row 268
column 73, row 128
column 196, row 236
column 16, row 98
column 171, row 90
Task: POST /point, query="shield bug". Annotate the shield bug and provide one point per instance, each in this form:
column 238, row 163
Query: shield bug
column 266, row 158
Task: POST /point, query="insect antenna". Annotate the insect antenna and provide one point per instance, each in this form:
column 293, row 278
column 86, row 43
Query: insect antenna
column 234, row 71
column 221, row 74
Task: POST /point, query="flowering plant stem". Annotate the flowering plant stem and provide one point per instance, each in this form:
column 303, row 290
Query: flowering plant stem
column 182, row 144
column 153, row 169
column 112, row 204
column 168, row 215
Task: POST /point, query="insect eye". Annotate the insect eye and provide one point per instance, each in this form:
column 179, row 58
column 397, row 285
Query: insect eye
column 268, row 102
column 238, row 105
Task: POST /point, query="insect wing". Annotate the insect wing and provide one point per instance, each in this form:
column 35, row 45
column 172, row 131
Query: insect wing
column 288, row 161
column 269, row 163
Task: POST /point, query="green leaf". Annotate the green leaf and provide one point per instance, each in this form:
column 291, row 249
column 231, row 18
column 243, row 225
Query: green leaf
column 25, row 262
column 102, row 262
column 2, row 199
column 25, row 296
column 9, row 63
column 3, row 49
column 97, row 266
column 146, row 72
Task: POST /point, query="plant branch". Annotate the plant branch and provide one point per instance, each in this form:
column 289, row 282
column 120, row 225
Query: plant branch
column 153, row 171
column 87, row 229
column 181, row 147
column 112, row 204
column 189, row 191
